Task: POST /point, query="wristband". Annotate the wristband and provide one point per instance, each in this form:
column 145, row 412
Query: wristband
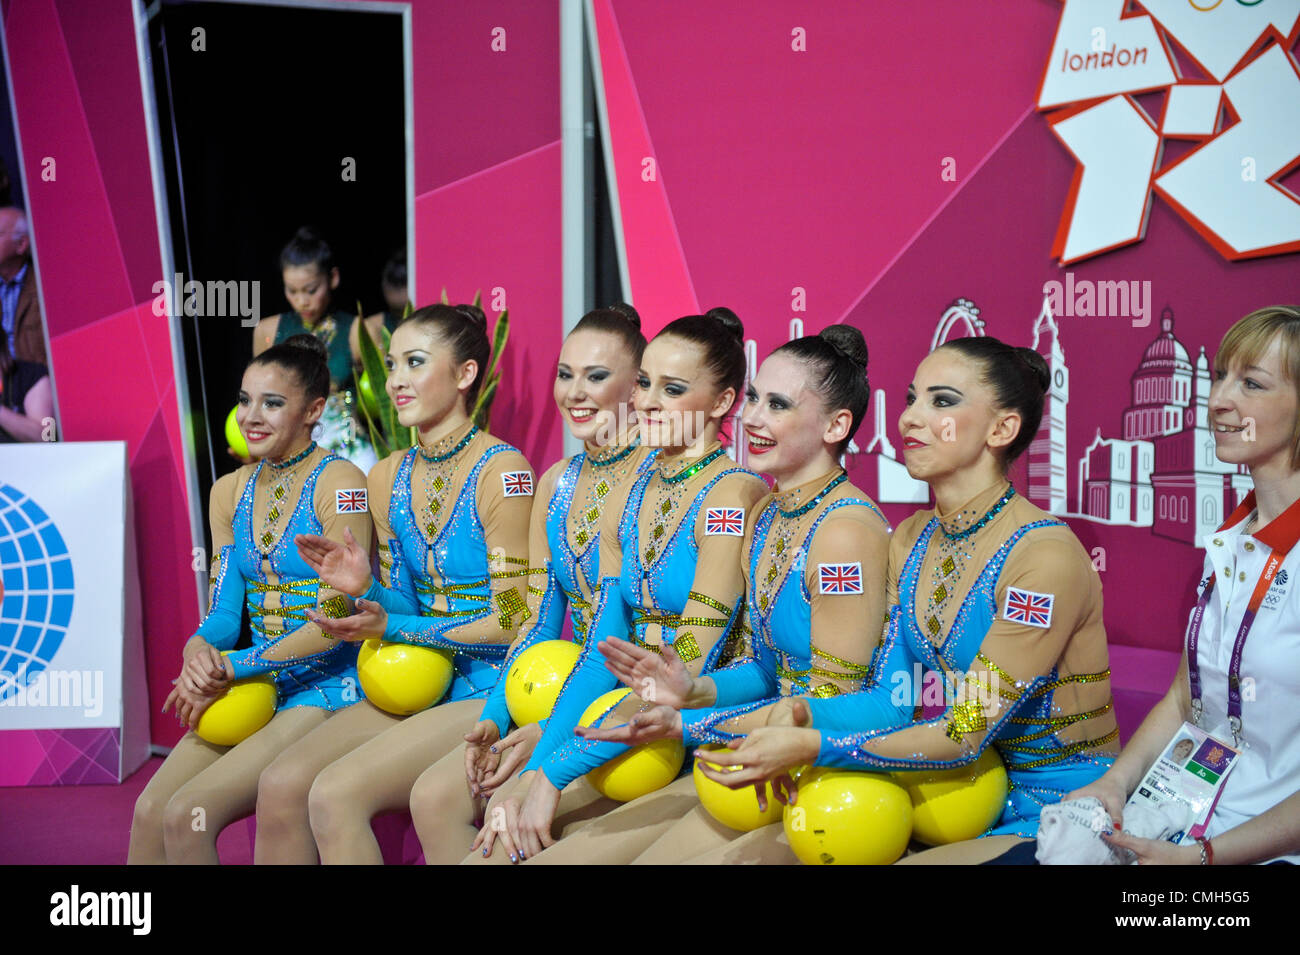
column 1207, row 851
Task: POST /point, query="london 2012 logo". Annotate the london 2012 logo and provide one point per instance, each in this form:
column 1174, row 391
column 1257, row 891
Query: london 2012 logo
column 1234, row 93
column 36, row 599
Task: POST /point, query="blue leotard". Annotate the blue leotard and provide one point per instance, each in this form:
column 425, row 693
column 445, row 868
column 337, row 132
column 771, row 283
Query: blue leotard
column 621, row 612
column 459, row 554
column 782, row 647
column 1041, row 767
column 327, row 679
column 562, row 586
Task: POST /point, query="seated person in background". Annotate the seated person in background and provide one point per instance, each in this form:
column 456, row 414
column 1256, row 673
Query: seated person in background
column 26, row 398
column 393, row 282
column 20, row 310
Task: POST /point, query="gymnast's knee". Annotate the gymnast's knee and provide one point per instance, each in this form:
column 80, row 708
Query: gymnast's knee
column 332, row 800
column 282, row 791
column 185, row 821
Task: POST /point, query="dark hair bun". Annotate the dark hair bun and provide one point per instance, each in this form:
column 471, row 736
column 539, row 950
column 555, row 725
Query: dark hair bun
column 628, row 312
column 729, row 319
column 308, row 343
column 848, row 341
column 1038, row 365
column 472, row 314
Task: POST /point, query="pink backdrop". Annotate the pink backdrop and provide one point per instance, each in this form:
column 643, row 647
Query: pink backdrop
column 821, row 170
column 773, row 169
column 487, row 129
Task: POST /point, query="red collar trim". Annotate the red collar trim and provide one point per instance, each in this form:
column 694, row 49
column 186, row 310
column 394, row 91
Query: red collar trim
column 1281, row 534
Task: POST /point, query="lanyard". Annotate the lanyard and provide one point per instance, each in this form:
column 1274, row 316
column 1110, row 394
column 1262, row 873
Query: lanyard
column 1275, row 560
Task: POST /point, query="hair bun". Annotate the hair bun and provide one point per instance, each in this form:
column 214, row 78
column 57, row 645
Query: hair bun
column 848, row 341
column 1037, row 365
column 729, row 319
column 472, row 314
column 627, row 311
column 309, row 343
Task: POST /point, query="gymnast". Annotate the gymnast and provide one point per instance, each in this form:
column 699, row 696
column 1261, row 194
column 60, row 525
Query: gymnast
column 815, row 576
column 670, row 574
column 451, row 518
column 594, row 378
column 296, row 488
column 994, row 595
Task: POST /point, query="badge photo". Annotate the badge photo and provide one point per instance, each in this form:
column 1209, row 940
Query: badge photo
column 728, row 521
column 350, row 500
column 517, row 483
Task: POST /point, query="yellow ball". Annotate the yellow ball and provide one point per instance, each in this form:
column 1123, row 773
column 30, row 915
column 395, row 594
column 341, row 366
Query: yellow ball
column 246, row 707
column 534, row 680
column 734, row 808
column 401, row 678
column 844, row 817
column 640, row 770
column 235, row 437
column 952, row 805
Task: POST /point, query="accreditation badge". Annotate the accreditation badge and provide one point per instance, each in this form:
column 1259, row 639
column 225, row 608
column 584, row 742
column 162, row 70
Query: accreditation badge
column 1185, row 782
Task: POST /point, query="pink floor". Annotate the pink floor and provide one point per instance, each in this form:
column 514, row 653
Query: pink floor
column 90, row 825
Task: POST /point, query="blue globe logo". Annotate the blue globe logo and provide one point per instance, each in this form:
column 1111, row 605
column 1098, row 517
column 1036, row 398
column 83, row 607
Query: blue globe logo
column 36, row 571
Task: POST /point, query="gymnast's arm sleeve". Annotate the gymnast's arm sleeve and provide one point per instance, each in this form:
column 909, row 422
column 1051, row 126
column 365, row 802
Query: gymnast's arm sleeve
column 709, row 614
column 546, row 604
column 611, row 617
column 852, row 545
column 306, row 643
column 845, row 695
column 745, row 678
column 220, row 625
column 1013, row 661
column 395, row 590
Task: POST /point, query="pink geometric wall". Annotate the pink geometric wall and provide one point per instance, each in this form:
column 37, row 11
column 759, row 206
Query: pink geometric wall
column 822, row 169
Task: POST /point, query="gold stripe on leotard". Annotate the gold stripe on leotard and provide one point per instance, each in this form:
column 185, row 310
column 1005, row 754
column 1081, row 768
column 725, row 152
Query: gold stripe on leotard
column 1075, row 678
column 1060, row 753
column 708, row 601
column 850, row 668
column 1054, row 723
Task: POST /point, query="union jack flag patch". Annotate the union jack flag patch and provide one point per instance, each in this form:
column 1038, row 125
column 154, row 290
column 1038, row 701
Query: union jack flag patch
column 350, row 500
column 517, row 483
column 840, row 578
column 724, row 520
column 1025, row 606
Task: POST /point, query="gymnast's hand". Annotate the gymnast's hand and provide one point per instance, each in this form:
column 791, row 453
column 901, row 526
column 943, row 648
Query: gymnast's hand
column 205, row 670
column 343, row 566
column 531, row 831
column 498, row 822
column 659, row 679
column 791, row 711
column 481, row 756
column 657, row 722
column 765, row 755
column 512, row 753
column 188, row 706
column 368, row 622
